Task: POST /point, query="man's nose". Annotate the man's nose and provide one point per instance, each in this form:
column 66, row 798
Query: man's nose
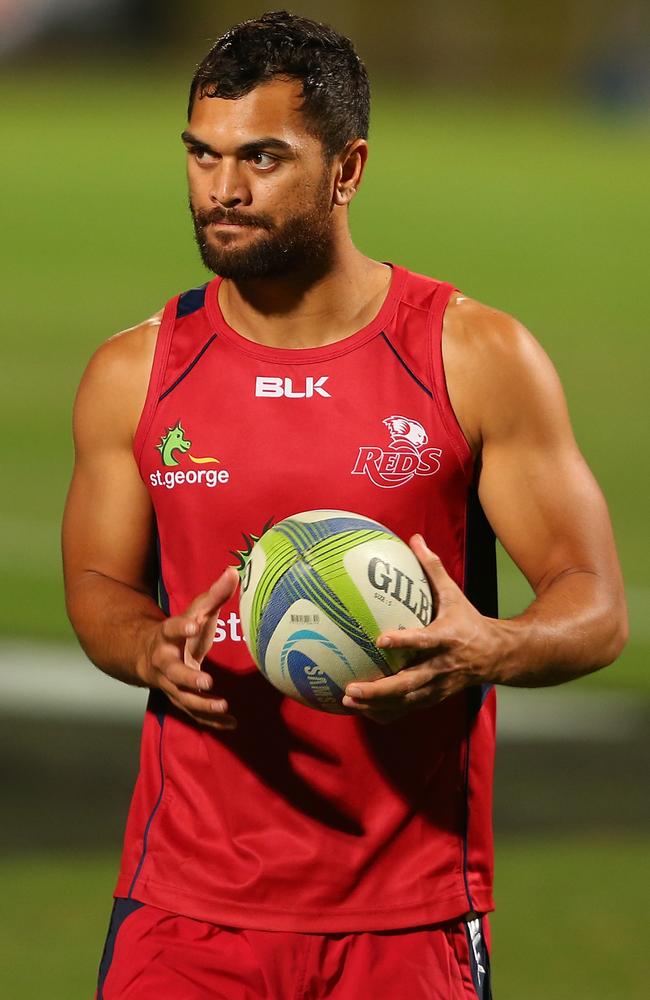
column 228, row 188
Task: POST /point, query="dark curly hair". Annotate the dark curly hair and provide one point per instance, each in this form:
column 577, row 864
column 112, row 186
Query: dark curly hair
column 335, row 87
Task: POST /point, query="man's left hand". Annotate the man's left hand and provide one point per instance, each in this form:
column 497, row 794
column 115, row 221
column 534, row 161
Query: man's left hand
column 458, row 649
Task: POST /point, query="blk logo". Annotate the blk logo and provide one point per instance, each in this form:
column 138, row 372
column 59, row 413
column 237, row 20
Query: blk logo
column 269, row 386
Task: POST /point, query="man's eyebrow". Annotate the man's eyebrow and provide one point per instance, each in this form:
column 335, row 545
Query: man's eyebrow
column 192, row 140
column 247, row 149
column 268, row 142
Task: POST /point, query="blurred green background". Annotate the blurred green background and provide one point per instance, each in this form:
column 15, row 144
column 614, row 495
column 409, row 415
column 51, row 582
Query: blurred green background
column 506, row 157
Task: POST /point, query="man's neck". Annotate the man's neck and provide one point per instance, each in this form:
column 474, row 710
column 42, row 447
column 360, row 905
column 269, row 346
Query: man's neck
column 300, row 312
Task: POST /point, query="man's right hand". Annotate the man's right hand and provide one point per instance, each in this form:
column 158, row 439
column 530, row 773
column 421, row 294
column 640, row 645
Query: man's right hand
column 175, row 651
column 109, row 547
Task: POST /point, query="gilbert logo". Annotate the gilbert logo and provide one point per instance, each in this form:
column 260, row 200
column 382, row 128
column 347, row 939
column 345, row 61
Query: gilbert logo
column 405, row 458
column 268, row 385
column 175, row 446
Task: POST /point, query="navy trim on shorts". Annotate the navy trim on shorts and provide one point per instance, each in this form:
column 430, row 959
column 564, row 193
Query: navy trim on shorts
column 191, row 301
column 406, row 367
column 480, row 977
column 122, row 908
column 188, row 369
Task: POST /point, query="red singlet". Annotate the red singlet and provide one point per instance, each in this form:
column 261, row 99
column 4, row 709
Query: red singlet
column 299, row 820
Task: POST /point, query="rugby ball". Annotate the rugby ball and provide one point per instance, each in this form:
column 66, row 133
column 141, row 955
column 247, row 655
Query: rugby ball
column 317, row 590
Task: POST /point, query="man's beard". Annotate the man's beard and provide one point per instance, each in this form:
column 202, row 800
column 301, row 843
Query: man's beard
column 302, row 242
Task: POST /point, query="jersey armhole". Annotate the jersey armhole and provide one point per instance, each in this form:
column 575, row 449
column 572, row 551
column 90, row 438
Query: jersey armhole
column 461, row 446
column 158, row 369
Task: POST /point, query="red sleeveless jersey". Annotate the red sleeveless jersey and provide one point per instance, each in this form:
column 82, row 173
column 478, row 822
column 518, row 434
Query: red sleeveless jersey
column 300, row 820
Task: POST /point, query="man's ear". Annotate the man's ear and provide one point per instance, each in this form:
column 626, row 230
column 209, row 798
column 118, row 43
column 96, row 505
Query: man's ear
column 352, row 161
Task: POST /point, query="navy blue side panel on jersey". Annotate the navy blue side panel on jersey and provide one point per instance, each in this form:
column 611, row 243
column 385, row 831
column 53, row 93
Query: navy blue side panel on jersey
column 163, row 596
column 480, row 587
column 122, row 908
column 479, row 959
column 480, row 559
column 480, row 570
column 157, row 701
column 145, row 839
column 406, row 367
column 190, row 301
column 189, row 368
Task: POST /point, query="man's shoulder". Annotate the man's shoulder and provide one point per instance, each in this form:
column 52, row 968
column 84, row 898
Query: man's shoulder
column 127, row 352
column 485, row 335
column 133, row 341
column 493, row 364
column 115, row 381
column 466, row 319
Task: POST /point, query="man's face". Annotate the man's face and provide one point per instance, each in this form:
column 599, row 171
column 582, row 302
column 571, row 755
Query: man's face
column 260, row 187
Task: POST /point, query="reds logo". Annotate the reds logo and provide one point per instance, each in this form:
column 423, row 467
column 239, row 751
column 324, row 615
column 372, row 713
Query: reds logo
column 407, row 456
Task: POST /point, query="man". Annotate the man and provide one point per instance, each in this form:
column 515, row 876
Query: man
column 271, row 850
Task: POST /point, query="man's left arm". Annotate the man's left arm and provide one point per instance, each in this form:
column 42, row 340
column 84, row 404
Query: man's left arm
column 548, row 512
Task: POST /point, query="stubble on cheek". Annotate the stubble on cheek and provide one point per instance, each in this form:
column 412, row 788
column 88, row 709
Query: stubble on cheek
column 299, row 233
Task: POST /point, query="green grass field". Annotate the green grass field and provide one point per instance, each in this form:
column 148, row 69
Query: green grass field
column 539, row 210
column 566, row 928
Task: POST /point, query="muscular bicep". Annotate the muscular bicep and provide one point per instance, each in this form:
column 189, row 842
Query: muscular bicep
column 547, row 510
column 535, row 487
column 108, row 521
column 108, row 525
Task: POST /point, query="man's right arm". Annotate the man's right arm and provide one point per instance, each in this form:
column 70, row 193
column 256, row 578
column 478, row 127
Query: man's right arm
column 108, row 543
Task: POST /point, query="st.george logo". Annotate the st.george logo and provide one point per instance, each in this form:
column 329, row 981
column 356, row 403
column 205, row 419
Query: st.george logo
column 173, row 441
column 174, row 447
column 405, row 457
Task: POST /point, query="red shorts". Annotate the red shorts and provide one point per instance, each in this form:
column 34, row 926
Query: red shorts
column 151, row 954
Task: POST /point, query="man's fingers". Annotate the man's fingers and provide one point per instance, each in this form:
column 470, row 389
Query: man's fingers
column 215, row 596
column 441, row 583
column 206, row 713
column 188, row 678
column 179, row 627
column 394, row 710
column 431, row 638
column 444, row 591
column 404, row 682
column 205, row 609
column 205, row 707
column 213, row 709
column 202, row 608
column 198, row 624
column 199, row 645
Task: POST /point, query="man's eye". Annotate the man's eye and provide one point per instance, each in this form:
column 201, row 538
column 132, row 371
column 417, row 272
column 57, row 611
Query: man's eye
column 203, row 156
column 263, row 160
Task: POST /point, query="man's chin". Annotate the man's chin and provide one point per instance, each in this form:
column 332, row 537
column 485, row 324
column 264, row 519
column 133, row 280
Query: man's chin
column 233, row 254
column 241, row 256
column 238, row 266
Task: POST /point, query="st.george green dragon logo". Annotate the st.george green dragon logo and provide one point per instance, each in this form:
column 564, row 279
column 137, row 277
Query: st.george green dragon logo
column 174, row 440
